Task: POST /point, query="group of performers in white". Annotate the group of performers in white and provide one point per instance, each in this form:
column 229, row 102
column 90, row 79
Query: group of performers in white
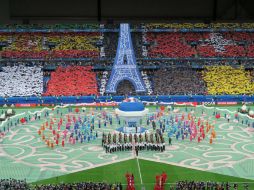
column 138, row 142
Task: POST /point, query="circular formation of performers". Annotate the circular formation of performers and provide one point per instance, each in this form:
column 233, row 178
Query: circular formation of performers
column 138, row 142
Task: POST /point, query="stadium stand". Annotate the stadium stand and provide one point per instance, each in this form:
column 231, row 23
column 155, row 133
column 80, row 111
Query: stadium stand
column 49, row 26
column 147, row 44
column 21, row 81
column 208, row 185
column 82, row 185
column 57, row 45
column 110, row 44
column 74, row 45
column 70, row 81
column 8, row 184
column 187, row 26
column 160, row 44
column 102, row 79
column 200, row 44
column 228, row 80
column 178, row 81
column 137, row 43
column 168, row 45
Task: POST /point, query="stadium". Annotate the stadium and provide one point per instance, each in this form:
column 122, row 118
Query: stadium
column 112, row 95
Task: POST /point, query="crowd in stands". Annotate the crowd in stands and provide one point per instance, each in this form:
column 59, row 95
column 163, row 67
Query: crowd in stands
column 133, row 26
column 50, row 27
column 11, row 184
column 110, row 43
column 146, row 44
column 209, row 185
column 21, row 81
column 165, row 80
column 178, row 81
column 157, row 44
column 228, row 80
column 71, row 80
column 75, row 80
column 200, row 44
column 80, row 186
column 137, row 43
column 199, row 25
column 49, row 45
column 168, row 45
column 102, row 80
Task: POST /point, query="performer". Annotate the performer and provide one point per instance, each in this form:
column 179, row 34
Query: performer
column 211, row 140
column 62, row 143
column 136, row 149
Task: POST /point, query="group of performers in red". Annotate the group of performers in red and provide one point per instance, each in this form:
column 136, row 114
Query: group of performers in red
column 130, row 181
column 159, row 185
column 160, row 181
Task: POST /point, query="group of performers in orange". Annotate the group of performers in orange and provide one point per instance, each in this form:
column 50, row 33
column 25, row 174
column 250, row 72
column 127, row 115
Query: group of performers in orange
column 52, row 139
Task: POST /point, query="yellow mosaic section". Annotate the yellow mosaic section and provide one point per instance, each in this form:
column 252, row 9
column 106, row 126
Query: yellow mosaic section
column 70, row 42
column 228, row 80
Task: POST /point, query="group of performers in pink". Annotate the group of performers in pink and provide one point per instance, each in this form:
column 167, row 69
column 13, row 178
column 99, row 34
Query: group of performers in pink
column 183, row 126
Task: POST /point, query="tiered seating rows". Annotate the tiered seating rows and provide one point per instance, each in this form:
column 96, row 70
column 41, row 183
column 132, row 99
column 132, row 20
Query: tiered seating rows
column 21, row 81
column 79, row 80
column 184, row 45
column 228, row 80
column 76, row 80
column 58, row 45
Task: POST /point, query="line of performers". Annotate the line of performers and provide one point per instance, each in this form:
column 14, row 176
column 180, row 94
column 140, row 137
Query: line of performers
column 138, row 142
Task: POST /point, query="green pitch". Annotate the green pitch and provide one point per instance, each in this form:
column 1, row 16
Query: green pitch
column 144, row 174
column 23, row 154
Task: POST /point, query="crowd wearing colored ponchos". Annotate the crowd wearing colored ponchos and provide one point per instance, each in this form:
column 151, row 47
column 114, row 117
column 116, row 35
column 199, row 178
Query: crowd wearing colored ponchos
column 199, row 44
column 56, row 45
column 228, row 80
column 21, row 81
column 199, row 25
column 76, row 80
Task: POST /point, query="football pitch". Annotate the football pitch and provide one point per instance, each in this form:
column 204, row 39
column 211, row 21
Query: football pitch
column 144, row 172
column 23, row 153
